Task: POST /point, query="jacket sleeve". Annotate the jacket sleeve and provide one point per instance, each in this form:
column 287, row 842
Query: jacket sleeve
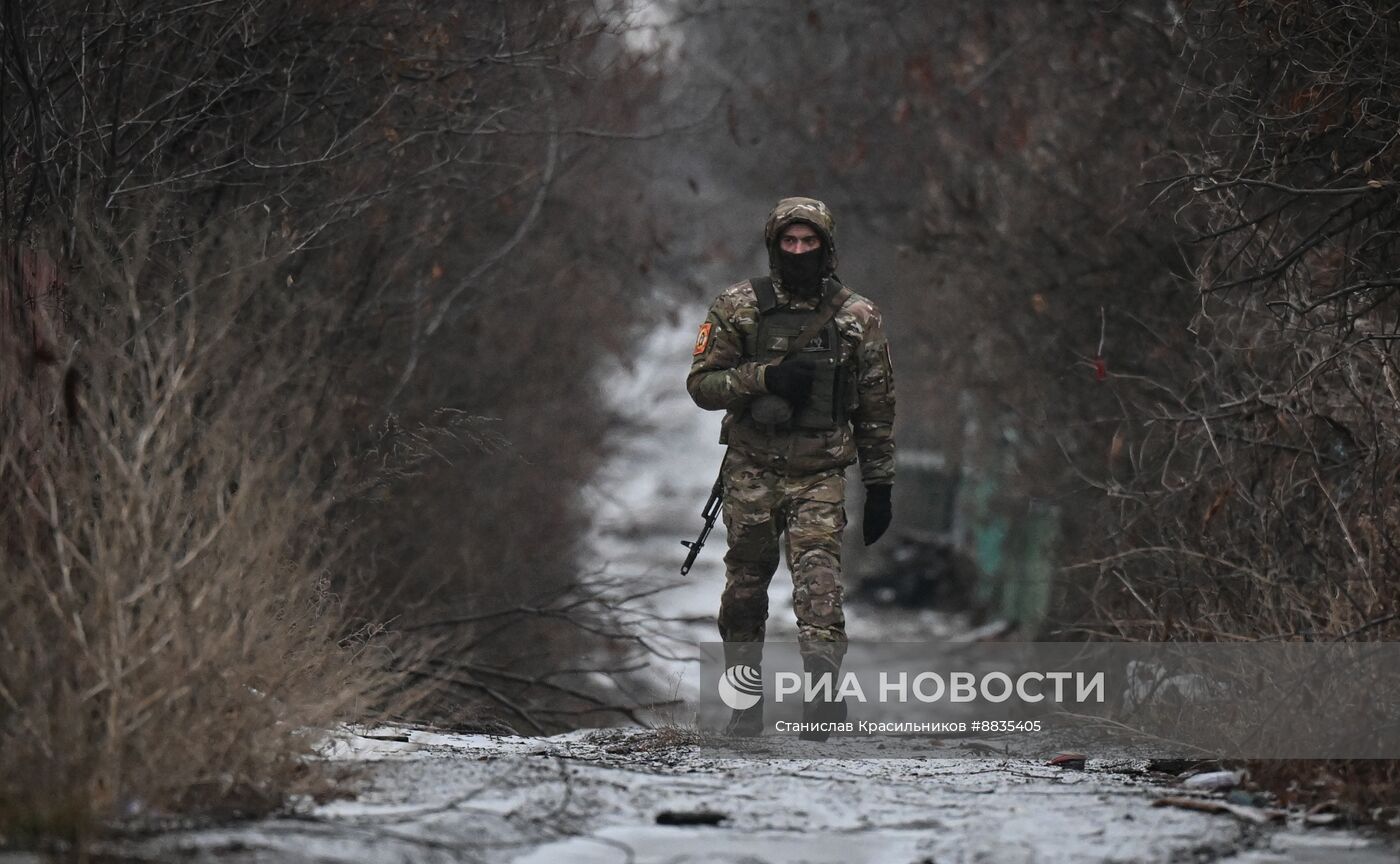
column 719, row 378
column 873, row 419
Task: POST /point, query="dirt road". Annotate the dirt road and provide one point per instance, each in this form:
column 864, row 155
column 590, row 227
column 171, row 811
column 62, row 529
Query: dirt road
column 600, row 796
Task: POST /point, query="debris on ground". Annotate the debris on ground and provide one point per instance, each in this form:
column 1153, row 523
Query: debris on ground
column 1252, row 815
column 1213, row 781
column 1072, row 761
column 1247, row 799
column 1325, row 815
column 1173, row 766
column 693, row 817
column 993, row 631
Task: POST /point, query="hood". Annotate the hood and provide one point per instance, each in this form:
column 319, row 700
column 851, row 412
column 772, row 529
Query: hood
column 809, row 210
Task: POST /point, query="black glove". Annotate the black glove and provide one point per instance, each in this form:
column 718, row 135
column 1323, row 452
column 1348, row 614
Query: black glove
column 792, row 380
column 877, row 512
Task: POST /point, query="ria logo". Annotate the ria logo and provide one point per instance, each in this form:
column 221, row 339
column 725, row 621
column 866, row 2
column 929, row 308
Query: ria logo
column 741, row 687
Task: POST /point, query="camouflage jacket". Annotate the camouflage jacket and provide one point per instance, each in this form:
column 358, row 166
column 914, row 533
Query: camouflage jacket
column 723, row 377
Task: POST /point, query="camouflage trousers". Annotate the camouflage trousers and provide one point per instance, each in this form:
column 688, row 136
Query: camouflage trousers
column 759, row 504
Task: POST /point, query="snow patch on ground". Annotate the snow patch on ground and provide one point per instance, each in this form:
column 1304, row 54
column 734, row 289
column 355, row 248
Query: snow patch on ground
column 595, row 797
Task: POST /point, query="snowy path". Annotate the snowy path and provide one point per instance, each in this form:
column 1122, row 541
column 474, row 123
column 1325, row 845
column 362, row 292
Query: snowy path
column 596, row 797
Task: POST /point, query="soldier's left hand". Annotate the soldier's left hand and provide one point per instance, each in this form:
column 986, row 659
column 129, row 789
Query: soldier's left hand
column 878, row 512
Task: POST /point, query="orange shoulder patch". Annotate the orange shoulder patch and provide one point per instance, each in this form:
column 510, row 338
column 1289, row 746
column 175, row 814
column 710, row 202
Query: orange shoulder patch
column 702, row 341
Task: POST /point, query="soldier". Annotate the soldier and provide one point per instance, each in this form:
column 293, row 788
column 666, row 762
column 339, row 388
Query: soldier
column 800, row 365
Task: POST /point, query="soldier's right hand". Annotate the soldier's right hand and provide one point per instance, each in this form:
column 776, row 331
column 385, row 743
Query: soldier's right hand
column 792, row 380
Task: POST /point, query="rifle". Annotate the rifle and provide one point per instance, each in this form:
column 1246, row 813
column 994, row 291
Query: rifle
column 709, row 514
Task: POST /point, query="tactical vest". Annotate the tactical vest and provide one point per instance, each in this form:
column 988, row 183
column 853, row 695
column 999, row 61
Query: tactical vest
column 778, row 327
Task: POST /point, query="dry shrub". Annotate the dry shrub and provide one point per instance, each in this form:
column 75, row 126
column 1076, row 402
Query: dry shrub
column 166, row 613
column 1257, row 450
column 1252, row 485
column 461, row 217
column 1358, row 790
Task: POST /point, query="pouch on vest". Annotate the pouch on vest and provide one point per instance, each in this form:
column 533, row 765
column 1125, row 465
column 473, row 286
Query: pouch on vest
column 778, row 328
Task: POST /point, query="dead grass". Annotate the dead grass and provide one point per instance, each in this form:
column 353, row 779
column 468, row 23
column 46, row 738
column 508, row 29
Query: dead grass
column 1359, row 791
column 171, row 603
column 660, row 740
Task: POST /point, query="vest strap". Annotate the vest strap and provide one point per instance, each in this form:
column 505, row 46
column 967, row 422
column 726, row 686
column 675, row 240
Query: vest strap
column 836, row 296
column 763, row 290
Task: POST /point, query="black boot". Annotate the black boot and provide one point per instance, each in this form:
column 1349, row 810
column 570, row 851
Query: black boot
column 745, row 722
column 823, row 708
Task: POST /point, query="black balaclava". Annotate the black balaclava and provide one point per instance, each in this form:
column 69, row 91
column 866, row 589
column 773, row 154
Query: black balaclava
column 802, row 272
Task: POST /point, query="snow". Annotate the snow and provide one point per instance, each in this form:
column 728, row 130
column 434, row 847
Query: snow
column 595, row 796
